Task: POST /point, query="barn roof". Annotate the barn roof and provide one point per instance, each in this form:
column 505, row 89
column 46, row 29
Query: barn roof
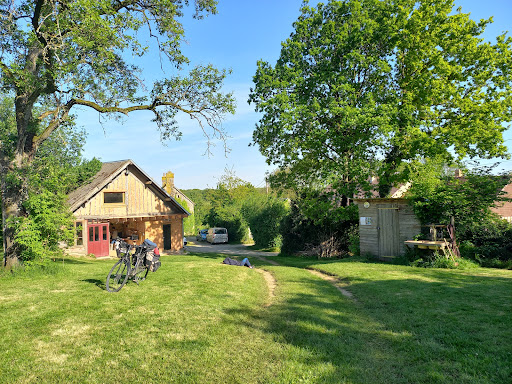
column 107, row 173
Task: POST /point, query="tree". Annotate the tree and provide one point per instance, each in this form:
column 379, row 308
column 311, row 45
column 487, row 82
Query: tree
column 56, row 169
column 202, row 204
column 226, row 205
column 264, row 214
column 59, row 55
column 439, row 197
column 368, row 87
column 317, row 224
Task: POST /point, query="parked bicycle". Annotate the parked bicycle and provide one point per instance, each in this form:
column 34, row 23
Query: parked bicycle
column 134, row 266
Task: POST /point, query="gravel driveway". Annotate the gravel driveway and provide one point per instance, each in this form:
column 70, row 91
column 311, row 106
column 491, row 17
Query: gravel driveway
column 226, row 249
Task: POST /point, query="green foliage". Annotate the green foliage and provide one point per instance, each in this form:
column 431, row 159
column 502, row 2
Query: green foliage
column 367, row 87
column 189, row 227
column 438, row 260
column 317, row 225
column 47, row 224
column 59, row 166
column 81, row 48
column 264, row 215
column 57, row 169
column 226, row 202
column 202, row 204
column 484, row 236
column 467, row 199
column 489, row 242
column 230, row 218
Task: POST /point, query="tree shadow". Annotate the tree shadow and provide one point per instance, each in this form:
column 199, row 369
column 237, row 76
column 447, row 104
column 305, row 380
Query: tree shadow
column 205, row 255
column 398, row 331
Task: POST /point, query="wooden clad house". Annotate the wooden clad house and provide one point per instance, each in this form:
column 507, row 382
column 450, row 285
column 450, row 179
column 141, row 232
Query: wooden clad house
column 124, row 201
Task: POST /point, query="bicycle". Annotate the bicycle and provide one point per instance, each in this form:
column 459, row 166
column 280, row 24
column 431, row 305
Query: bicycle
column 130, row 266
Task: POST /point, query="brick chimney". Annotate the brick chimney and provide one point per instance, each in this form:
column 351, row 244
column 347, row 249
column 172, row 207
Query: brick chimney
column 168, row 182
column 458, row 172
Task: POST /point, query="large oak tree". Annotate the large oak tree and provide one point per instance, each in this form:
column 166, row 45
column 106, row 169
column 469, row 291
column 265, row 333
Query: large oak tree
column 367, row 87
column 56, row 55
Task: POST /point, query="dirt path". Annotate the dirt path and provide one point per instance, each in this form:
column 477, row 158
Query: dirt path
column 245, row 251
column 335, row 281
column 271, row 285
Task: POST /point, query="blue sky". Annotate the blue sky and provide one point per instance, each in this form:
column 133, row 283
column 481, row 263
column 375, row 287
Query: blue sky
column 243, row 32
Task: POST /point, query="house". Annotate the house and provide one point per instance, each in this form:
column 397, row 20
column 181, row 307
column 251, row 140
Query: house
column 122, row 200
column 504, row 208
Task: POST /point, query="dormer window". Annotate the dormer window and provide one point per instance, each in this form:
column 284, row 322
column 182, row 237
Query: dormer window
column 113, row 197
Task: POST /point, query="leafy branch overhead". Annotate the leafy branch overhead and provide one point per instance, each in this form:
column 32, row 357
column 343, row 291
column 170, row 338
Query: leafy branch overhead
column 368, row 87
column 62, row 54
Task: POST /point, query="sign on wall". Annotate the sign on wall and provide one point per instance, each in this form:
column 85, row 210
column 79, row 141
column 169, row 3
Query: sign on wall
column 365, row 221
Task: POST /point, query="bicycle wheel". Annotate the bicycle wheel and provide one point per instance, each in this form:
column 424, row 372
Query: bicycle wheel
column 118, row 275
column 140, row 270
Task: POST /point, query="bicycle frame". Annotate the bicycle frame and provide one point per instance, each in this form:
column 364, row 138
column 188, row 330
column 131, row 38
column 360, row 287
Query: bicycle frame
column 130, row 266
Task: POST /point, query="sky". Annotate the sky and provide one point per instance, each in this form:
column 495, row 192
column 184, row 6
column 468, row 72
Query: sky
column 243, row 32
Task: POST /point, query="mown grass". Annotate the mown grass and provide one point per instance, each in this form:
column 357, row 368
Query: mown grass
column 198, row 321
column 429, row 325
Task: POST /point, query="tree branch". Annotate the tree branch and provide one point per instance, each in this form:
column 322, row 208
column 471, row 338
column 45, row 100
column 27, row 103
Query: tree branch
column 60, row 114
column 147, row 107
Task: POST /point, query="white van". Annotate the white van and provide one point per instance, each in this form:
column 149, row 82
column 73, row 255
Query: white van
column 217, row 235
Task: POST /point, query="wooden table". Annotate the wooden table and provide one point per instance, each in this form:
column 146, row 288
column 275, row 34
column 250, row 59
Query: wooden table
column 427, row 244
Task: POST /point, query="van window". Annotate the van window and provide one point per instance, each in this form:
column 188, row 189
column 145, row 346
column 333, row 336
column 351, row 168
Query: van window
column 220, row 231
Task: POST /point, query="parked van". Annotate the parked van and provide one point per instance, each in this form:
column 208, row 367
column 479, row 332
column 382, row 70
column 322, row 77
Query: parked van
column 217, row 235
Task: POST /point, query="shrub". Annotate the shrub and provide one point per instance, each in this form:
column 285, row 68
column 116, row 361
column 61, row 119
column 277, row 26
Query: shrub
column 48, row 223
column 264, row 215
column 439, row 260
column 231, row 219
column 482, row 235
column 315, row 225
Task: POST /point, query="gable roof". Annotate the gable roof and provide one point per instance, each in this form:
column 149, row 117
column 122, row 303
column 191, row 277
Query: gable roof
column 107, row 173
column 396, row 191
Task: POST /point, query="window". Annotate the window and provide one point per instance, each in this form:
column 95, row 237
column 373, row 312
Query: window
column 113, row 197
column 79, row 235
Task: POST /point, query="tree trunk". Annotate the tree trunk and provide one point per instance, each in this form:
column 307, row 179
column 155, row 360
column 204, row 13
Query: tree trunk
column 12, row 177
column 14, row 193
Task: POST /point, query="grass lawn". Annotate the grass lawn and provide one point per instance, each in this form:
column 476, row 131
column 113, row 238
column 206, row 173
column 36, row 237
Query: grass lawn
column 198, row 321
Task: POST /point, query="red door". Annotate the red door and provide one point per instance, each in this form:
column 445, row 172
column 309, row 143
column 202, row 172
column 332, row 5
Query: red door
column 98, row 239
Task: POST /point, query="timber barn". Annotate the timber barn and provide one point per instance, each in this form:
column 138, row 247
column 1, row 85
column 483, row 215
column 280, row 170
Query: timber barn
column 123, row 201
column 385, row 225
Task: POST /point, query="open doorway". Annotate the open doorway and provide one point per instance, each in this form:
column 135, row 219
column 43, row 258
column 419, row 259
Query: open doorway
column 167, row 236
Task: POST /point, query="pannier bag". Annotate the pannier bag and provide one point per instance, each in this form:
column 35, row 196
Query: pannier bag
column 152, row 256
column 149, row 244
column 153, row 267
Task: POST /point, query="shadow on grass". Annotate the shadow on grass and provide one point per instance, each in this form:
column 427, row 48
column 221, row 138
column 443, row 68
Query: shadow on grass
column 399, row 331
column 204, row 255
column 97, row 282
